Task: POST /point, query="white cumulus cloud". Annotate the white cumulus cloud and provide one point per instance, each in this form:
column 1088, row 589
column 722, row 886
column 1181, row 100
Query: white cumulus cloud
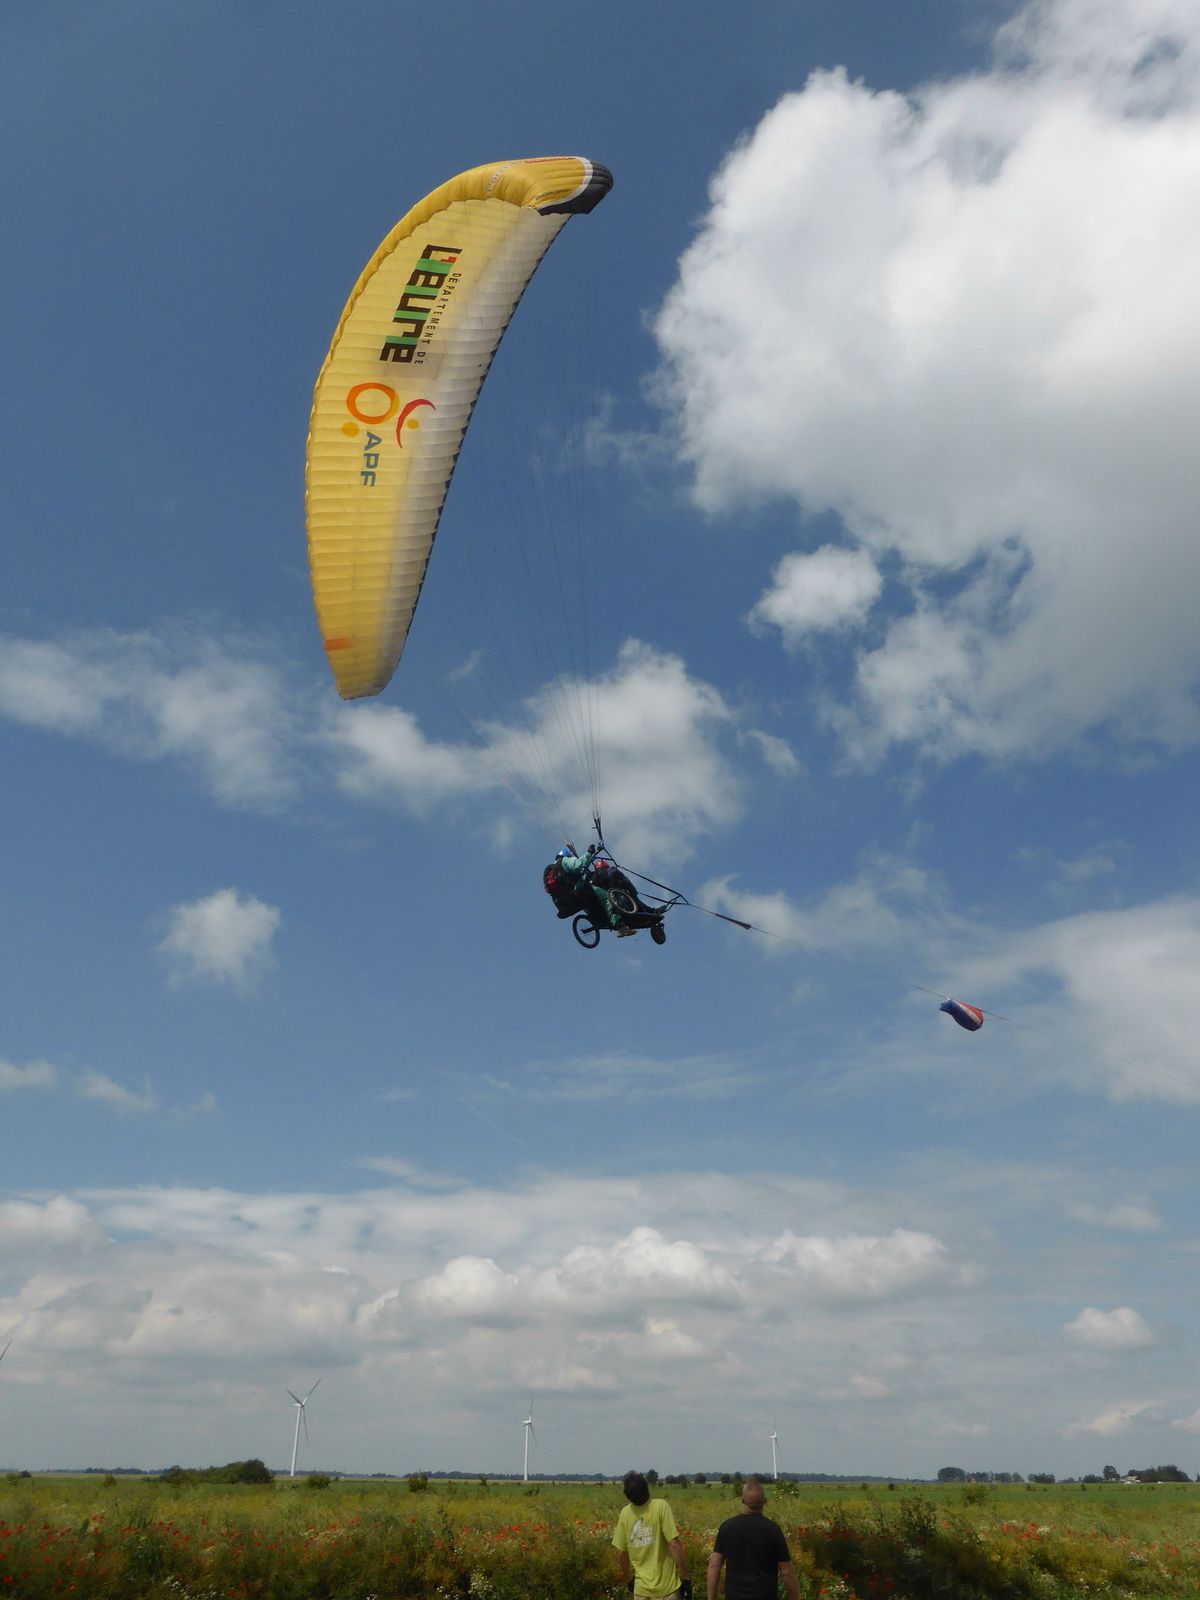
column 1132, row 980
column 1122, row 1329
column 42, row 1223
column 642, row 1267
column 965, row 322
column 646, row 724
column 225, row 937
column 860, row 1267
column 469, row 1286
column 831, row 588
column 468, row 1296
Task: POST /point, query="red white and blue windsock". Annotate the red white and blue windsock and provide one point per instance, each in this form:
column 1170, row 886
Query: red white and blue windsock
column 969, row 1017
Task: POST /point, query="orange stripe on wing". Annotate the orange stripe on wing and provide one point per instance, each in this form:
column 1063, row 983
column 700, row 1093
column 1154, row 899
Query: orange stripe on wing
column 338, row 644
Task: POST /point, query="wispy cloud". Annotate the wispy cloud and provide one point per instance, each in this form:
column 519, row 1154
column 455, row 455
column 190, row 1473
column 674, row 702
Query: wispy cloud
column 1130, row 1217
column 776, row 752
column 633, row 1078
column 32, row 1075
column 1120, row 1417
column 99, row 1086
column 177, row 694
column 102, row 1089
column 409, row 1172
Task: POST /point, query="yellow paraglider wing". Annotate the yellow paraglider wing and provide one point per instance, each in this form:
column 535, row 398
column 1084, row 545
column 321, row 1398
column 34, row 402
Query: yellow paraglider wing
column 396, row 391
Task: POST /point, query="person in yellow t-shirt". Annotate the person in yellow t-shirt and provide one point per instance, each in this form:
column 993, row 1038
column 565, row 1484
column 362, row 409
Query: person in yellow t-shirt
column 650, row 1555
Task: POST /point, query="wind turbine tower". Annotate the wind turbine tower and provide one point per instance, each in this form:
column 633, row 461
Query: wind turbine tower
column 529, row 1434
column 301, row 1417
column 774, row 1457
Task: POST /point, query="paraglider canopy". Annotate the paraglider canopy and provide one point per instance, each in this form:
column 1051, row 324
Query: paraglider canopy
column 397, row 388
column 969, row 1017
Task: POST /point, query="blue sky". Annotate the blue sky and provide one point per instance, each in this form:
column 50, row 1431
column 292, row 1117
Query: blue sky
column 883, row 350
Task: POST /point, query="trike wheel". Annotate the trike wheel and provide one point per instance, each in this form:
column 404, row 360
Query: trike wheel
column 658, row 933
column 586, row 931
column 622, row 902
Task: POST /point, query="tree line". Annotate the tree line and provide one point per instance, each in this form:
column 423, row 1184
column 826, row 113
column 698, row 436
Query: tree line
column 1169, row 1473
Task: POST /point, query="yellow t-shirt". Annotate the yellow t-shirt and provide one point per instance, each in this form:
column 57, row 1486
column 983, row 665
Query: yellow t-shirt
column 643, row 1532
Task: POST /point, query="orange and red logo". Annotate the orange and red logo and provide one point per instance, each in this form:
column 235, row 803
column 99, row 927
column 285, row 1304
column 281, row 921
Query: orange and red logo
column 373, row 405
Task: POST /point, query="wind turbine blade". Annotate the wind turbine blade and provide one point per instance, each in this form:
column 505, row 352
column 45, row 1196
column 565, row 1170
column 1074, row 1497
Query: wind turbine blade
column 532, row 1435
column 313, row 1390
column 295, row 1397
column 304, row 1414
column 6, row 1349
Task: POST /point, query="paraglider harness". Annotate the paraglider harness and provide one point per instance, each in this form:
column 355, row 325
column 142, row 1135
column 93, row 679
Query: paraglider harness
column 634, row 907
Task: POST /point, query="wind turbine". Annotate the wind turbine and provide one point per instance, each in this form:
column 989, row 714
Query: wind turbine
column 529, row 1433
column 774, row 1436
column 301, row 1417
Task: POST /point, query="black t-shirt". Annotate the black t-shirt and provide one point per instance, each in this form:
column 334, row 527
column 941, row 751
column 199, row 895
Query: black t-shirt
column 753, row 1547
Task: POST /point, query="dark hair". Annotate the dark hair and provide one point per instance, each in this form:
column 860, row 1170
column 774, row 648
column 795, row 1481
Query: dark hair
column 637, row 1491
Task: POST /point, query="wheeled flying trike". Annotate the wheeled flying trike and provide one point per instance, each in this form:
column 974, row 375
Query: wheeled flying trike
column 635, row 911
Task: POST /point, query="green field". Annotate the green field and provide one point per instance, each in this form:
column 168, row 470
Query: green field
column 364, row 1540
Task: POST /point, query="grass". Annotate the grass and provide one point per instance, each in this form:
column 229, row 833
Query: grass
column 142, row 1540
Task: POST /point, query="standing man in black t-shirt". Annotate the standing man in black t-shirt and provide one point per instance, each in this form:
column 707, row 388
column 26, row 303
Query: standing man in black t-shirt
column 755, row 1551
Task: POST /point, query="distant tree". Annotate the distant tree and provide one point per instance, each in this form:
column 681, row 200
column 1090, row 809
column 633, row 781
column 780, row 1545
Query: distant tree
column 727, row 1477
column 951, row 1475
column 1042, row 1477
column 318, row 1480
column 700, row 1477
column 252, row 1471
column 418, row 1482
column 1111, row 1475
column 1167, row 1474
column 483, row 1483
column 651, row 1476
